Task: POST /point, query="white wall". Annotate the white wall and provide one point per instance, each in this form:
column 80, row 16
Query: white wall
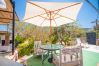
column 2, row 37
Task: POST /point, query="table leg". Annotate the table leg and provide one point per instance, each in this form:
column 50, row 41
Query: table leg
column 44, row 58
column 50, row 60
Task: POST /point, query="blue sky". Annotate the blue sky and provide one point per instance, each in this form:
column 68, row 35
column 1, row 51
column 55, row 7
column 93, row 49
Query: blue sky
column 86, row 15
column 3, row 27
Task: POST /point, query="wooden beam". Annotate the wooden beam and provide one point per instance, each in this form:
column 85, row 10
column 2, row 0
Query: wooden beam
column 6, row 18
column 6, row 11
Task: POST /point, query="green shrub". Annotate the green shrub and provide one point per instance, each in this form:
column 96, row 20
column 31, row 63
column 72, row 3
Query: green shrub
column 26, row 47
column 19, row 39
column 67, row 39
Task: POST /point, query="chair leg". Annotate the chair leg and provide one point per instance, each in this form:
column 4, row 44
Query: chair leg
column 42, row 59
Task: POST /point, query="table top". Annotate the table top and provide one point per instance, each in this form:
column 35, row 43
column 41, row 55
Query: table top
column 52, row 47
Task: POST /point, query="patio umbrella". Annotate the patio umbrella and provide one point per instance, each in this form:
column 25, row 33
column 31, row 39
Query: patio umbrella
column 2, row 4
column 51, row 14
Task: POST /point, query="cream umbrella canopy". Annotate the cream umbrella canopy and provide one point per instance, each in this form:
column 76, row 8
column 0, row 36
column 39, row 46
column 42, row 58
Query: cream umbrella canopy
column 51, row 14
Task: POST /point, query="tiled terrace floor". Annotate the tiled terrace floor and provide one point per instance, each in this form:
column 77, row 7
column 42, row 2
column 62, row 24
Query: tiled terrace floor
column 36, row 61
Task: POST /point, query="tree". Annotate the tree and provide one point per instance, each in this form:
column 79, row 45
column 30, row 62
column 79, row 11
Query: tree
column 53, row 38
column 27, row 30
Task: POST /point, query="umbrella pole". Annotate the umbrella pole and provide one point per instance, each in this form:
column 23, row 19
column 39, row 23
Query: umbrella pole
column 50, row 23
column 50, row 33
column 50, row 26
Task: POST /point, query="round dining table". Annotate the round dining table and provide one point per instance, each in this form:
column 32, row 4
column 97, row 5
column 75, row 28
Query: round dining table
column 50, row 49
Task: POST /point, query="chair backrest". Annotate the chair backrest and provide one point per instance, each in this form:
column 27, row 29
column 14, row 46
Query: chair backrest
column 70, row 56
column 37, row 44
column 37, row 47
column 78, row 40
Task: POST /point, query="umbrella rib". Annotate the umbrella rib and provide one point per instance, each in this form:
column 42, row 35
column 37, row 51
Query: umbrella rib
column 38, row 6
column 56, row 13
column 34, row 16
column 49, row 11
column 67, row 7
column 54, row 10
column 55, row 22
column 44, row 17
column 64, row 17
column 43, row 22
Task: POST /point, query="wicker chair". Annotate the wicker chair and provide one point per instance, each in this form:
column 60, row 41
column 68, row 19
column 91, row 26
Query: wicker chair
column 68, row 57
column 37, row 48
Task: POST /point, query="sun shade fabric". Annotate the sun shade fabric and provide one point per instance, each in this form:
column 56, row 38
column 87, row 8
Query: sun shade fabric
column 2, row 4
column 40, row 13
column 6, row 15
